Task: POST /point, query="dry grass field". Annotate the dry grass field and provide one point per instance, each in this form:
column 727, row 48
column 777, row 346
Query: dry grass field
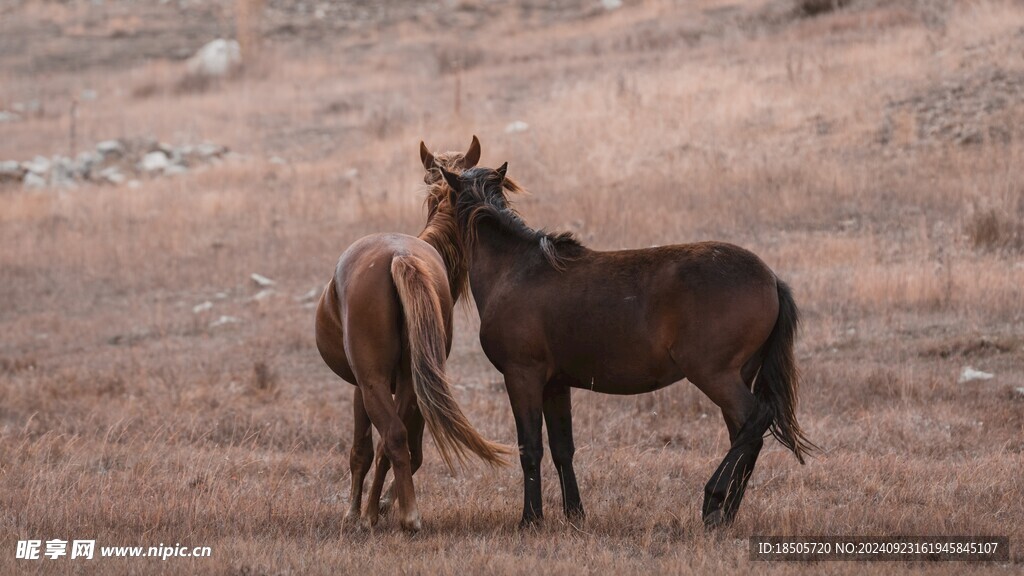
column 873, row 156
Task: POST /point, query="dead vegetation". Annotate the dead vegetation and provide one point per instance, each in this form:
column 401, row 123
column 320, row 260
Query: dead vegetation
column 827, row 145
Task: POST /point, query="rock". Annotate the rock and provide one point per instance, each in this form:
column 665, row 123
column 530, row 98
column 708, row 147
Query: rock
column 224, row 320
column 33, row 180
column 313, row 293
column 40, row 165
column 9, row 116
column 263, row 294
column 200, row 308
column 611, row 4
column 215, row 59
column 1019, row 391
column 207, row 150
column 88, row 95
column 85, row 162
column 154, row 161
column 112, row 174
column 110, row 148
column 970, row 374
column 517, row 126
column 278, row 160
column 261, row 280
column 11, row 171
column 175, row 170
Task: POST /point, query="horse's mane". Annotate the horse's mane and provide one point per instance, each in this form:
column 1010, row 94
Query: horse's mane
column 442, row 229
column 484, row 198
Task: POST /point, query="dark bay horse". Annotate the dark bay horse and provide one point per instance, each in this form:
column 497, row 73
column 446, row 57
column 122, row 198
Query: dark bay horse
column 384, row 323
column 555, row 315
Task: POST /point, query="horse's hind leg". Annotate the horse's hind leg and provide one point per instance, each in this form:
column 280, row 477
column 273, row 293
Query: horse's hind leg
column 747, row 421
column 395, row 441
column 361, row 455
column 558, row 416
column 409, row 411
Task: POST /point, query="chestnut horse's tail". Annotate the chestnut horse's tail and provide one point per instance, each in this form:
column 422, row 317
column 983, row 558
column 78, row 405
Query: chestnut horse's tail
column 778, row 380
column 452, row 432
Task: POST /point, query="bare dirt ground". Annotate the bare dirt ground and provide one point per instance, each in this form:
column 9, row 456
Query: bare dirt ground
column 873, row 156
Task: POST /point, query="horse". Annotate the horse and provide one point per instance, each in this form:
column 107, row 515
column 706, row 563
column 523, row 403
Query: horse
column 555, row 315
column 384, row 324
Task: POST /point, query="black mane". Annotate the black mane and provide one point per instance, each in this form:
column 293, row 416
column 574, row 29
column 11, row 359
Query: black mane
column 483, row 197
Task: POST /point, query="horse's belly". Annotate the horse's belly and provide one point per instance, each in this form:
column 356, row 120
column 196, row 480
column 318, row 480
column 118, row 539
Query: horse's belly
column 626, row 376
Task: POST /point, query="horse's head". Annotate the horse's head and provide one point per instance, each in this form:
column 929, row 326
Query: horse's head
column 454, row 162
column 479, row 187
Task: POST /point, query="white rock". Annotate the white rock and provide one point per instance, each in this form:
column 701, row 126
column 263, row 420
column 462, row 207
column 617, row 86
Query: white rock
column 263, row 294
column 261, row 280
column 175, row 169
column 88, row 95
column 110, row 148
column 216, row 58
column 133, row 184
column 207, row 150
column 11, row 171
column 112, row 174
column 611, row 4
column 33, row 180
column 277, row 160
column 517, row 126
column 1020, row 391
column 8, row 116
column 224, row 320
column 200, row 308
column 154, row 161
column 39, row 165
column 86, row 161
column 313, row 293
column 970, row 374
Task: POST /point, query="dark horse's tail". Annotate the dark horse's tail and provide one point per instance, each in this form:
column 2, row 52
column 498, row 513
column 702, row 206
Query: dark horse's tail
column 452, row 432
column 778, row 379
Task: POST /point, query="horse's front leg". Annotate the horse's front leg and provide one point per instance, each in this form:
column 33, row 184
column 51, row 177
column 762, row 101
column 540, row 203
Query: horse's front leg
column 525, row 393
column 558, row 417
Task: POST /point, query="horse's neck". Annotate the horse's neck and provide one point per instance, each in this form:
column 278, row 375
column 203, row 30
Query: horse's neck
column 495, row 252
column 445, row 240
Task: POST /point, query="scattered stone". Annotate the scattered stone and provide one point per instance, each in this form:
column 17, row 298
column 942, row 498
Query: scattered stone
column 263, row 295
column 33, row 180
column 261, row 280
column 517, row 126
column 215, row 59
column 11, row 171
column 1019, row 391
column 39, row 165
column 9, row 116
column 109, row 148
column 611, row 4
column 154, row 161
column 970, row 374
column 204, row 307
column 112, row 174
column 114, row 162
column 223, row 321
column 313, row 293
column 278, row 160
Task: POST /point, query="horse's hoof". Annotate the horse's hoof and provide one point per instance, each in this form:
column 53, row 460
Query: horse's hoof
column 413, row 524
column 715, row 519
column 369, row 522
column 530, row 523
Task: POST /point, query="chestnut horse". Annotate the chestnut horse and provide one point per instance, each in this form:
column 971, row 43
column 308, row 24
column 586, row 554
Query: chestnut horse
column 555, row 315
column 384, row 323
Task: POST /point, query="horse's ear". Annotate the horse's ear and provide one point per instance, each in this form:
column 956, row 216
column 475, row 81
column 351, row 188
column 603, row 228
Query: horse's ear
column 426, row 157
column 472, row 156
column 451, row 179
column 501, row 170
